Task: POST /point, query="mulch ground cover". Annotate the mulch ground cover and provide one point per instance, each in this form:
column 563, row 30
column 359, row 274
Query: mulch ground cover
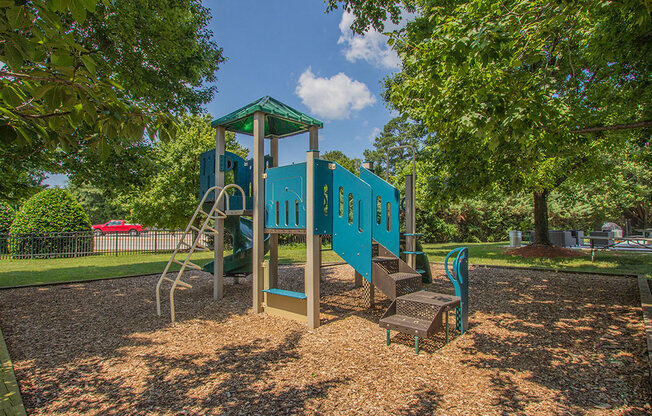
column 539, row 343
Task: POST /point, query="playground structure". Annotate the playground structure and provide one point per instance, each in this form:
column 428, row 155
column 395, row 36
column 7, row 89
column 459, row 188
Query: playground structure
column 314, row 198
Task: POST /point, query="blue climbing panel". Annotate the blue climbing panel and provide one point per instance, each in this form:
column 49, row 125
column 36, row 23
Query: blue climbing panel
column 242, row 176
column 285, row 197
column 352, row 225
column 385, row 201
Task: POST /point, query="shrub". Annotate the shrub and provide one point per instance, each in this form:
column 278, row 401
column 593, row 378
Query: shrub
column 6, row 218
column 51, row 211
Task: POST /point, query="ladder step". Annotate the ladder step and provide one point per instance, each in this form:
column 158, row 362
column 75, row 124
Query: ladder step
column 195, row 228
column 211, row 229
column 180, row 282
column 189, row 264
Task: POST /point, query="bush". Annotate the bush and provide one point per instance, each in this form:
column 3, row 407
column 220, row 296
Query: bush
column 51, row 211
column 6, row 218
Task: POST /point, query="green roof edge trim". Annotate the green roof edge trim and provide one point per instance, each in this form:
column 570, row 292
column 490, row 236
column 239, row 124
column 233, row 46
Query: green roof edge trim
column 281, row 120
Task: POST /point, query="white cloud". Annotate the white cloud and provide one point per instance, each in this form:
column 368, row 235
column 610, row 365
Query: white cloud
column 371, row 47
column 333, row 98
column 374, row 134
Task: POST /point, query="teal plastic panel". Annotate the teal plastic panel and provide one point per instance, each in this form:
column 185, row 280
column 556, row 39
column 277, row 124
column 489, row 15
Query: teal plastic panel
column 323, row 220
column 352, row 225
column 287, row 293
column 285, row 197
column 384, row 210
column 242, row 175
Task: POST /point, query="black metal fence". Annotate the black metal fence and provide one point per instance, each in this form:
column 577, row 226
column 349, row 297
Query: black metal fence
column 79, row 244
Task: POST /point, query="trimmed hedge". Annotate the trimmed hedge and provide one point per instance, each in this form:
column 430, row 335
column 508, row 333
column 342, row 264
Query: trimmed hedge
column 50, row 211
column 7, row 214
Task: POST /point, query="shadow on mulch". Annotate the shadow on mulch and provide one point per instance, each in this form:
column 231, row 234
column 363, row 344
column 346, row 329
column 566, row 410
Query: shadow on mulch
column 568, row 334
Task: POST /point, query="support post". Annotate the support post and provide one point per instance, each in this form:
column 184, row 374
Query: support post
column 273, row 238
column 368, row 294
column 313, row 241
column 218, row 240
column 410, row 221
column 258, row 211
column 358, row 279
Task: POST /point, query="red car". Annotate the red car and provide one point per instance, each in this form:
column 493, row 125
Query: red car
column 118, row 226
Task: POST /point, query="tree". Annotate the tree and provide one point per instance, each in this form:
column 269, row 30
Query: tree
column 50, row 211
column 522, row 95
column 352, row 165
column 397, row 132
column 99, row 207
column 99, row 74
column 169, row 196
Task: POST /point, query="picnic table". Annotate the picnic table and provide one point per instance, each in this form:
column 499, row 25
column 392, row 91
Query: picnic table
column 644, row 231
column 611, row 242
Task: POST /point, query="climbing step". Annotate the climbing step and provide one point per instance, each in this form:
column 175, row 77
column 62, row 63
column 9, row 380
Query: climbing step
column 389, row 264
column 406, row 282
column 418, row 313
column 406, row 324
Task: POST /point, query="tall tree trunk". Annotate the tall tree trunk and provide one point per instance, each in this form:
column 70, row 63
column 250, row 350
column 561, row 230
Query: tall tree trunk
column 541, row 218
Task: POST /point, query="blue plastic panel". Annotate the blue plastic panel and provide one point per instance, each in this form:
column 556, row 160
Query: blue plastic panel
column 285, row 187
column 242, row 175
column 323, row 221
column 288, row 293
column 353, row 229
column 385, row 227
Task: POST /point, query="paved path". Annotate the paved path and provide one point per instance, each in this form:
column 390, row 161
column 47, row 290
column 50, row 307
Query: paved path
column 11, row 404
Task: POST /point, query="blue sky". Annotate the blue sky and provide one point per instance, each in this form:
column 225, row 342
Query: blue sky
column 295, row 52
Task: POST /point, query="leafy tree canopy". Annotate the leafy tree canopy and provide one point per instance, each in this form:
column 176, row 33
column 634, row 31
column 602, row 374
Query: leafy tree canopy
column 101, row 73
column 514, row 90
column 169, row 196
column 397, row 132
column 352, row 165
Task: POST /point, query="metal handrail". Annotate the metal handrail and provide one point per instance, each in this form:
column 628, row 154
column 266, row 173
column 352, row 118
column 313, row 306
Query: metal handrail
column 209, row 216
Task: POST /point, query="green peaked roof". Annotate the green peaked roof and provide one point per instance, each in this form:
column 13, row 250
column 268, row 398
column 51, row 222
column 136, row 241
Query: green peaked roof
column 280, row 120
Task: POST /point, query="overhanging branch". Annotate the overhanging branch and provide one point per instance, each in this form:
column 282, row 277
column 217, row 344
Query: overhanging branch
column 596, row 129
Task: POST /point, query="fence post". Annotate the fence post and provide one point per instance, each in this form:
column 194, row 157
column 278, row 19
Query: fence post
column 116, row 243
column 31, row 246
column 155, row 240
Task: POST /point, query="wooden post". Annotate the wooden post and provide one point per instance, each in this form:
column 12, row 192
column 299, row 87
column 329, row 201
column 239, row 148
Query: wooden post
column 313, row 242
column 273, row 238
column 259, row 210
column 218, row 240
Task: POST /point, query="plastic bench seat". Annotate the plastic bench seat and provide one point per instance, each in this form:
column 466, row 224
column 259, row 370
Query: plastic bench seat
column 288, row 293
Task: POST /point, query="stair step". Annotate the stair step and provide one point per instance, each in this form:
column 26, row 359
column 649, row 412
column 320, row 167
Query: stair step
column 406, row 324
column 417, row 308
column 389, row 264
column 403, row 275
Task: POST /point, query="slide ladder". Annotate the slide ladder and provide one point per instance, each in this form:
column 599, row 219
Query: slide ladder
column 208, row 227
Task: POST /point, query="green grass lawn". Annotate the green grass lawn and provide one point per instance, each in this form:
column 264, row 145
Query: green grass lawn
column 616, row 262
column 40, row 271
column 34, row 272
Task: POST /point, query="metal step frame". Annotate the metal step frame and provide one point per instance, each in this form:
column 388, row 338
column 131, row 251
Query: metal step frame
column 215, row 215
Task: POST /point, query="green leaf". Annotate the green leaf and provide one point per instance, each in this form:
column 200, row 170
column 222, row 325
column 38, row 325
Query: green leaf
column 62, row 59
column 89, row 63
column 40, row 91
column 78, row 10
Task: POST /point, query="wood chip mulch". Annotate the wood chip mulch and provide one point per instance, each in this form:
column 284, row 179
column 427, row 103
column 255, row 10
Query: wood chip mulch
column 539, row 343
